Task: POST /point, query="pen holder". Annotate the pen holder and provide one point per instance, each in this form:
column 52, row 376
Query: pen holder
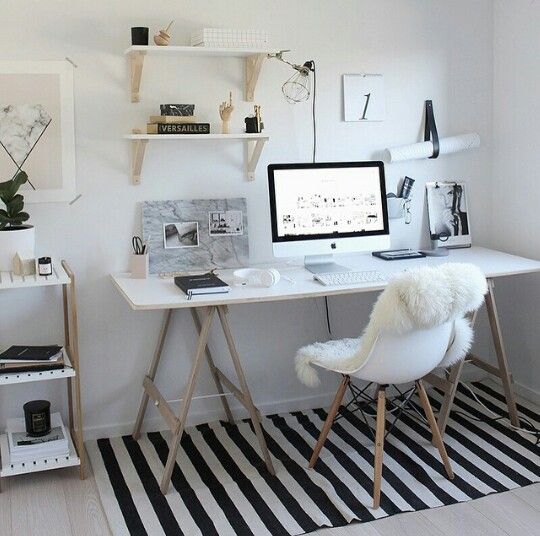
column 139, row 266
column 396, row 207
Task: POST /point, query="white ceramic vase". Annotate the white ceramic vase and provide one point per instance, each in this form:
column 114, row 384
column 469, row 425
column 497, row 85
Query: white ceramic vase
column 20, row 240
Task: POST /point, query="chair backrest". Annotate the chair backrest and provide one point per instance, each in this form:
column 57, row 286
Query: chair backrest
column 401, row 358
column 418, row 317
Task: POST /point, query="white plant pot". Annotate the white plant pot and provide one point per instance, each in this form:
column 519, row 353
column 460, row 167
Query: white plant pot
column 21, row 240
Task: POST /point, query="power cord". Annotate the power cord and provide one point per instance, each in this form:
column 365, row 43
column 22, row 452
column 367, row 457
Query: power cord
column 530, row 430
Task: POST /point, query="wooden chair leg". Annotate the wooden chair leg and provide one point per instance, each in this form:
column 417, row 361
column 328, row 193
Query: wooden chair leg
column 329, row 420
column 437, row 438
column 379, row 446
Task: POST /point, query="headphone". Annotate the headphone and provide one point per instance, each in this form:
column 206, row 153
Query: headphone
column 256, row 277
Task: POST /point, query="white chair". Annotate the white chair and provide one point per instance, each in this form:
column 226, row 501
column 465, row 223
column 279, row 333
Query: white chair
column 418, row 323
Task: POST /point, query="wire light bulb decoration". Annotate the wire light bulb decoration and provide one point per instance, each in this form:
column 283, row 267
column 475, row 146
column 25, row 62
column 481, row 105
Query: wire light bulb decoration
column 297, row 88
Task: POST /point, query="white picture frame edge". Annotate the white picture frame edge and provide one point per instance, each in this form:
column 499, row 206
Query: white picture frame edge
column 63, row 68
column 349, row 76
column 164, row 224
column 462, row 241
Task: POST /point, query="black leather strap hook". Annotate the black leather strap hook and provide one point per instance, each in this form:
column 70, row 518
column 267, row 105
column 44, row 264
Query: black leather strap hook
column 430, row 130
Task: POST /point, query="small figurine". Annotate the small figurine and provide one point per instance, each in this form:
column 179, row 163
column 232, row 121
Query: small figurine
column 225, row 112
column 162, row 39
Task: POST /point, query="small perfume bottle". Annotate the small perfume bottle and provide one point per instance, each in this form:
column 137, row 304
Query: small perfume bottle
column 44, row 266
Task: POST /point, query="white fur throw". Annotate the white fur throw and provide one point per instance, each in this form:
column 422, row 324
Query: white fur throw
column 417, row 299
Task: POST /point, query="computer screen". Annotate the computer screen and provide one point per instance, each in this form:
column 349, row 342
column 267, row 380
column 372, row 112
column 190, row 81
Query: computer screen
column 330, row 200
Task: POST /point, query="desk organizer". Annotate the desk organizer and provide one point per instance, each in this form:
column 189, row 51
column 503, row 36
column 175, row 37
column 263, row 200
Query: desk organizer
column 138, row 266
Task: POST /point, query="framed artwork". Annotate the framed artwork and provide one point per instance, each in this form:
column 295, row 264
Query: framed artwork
column 37, row 133
column 363, row 97
column 448, row 214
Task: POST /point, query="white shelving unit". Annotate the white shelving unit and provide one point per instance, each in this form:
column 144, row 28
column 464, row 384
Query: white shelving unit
column 253, row 58
column 64, row 277
column 254, row 142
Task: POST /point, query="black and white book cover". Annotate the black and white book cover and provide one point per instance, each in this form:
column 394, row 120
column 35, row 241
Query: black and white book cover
column 448, row 213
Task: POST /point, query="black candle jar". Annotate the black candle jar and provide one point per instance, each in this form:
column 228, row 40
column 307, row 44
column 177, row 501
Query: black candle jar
column 37, row 417
column 139, row 35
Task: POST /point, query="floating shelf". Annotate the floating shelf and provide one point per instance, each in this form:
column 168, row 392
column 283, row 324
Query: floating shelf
column 32, row 466
column 253, row 58
column 255, row 144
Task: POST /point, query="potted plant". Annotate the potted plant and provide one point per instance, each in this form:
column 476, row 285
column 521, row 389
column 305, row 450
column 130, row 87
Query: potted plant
column 15, row 236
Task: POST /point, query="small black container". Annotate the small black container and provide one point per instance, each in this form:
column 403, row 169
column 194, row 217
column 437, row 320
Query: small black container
column 44, row 266
column 139, row 35
column 37, row 417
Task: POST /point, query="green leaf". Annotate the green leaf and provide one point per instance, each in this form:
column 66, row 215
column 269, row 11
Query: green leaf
column 23, row 216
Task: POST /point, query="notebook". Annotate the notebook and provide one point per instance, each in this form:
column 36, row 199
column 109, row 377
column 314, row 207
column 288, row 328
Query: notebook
column 28, row 354
column 193, row 285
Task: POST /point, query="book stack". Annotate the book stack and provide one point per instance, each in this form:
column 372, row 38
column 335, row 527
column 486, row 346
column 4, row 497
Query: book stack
column 24, row 448
column 31, row 358
column 176, row 119
column 226, row 38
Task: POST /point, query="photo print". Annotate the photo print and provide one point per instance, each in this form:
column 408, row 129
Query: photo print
column 225, row 223
column 448, row 213
column 181, row 235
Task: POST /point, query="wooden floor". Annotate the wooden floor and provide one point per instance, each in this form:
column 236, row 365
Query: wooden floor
column 57, row 503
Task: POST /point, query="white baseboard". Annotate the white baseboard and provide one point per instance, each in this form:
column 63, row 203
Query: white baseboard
column 520, row 390
column 292, row 404
column 197, row 417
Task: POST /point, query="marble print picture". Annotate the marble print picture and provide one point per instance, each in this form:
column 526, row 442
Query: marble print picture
column 196, row 234
column 225, row 223
column 181, row 235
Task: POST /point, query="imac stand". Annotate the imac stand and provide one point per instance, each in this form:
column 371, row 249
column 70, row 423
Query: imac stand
column 322, row 264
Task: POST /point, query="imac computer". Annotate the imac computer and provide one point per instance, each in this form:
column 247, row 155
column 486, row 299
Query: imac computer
column 321, row 209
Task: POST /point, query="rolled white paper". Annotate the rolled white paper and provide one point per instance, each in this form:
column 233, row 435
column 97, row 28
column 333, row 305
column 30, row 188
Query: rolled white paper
column 424, row 149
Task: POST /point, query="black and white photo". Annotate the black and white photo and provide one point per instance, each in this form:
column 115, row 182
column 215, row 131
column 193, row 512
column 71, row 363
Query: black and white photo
column 448, row 213
column 225, row 223
column 181, row 235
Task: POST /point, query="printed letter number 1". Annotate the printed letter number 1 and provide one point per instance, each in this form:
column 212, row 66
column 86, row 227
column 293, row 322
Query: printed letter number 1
column 366, row 106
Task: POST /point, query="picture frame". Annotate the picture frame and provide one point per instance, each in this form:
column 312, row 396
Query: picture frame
column 45, row 89
column 448, row 214
column 364, row 97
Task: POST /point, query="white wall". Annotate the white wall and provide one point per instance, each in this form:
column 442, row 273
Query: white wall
column 516, row 176
column 425, row 48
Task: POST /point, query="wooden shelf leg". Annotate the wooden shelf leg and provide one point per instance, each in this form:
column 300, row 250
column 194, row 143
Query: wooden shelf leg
column 504, row 370
column 254, row 152
column 253, row 68
column 139, row 148
column 248, row 401
column 152, row 373
column 452, row 382
column 176, row 436
column 137, row 62
column 74, row 391
column 213, row 368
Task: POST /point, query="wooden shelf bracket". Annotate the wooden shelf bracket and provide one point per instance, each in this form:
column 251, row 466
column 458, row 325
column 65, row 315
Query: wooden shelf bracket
column 137, row 62
column 253, row 69
column 254, row 149
column 139, row 149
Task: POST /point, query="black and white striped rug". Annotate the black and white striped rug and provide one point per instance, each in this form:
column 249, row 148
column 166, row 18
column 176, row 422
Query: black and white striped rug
column 220, row 485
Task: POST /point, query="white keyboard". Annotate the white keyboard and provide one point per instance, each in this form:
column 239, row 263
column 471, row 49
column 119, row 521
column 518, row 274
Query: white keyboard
column 349, row 278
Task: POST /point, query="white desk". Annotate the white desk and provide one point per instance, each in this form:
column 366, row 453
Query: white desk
column 156, row 293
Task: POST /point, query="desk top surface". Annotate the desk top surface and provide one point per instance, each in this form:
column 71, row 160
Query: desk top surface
column 297, row 283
